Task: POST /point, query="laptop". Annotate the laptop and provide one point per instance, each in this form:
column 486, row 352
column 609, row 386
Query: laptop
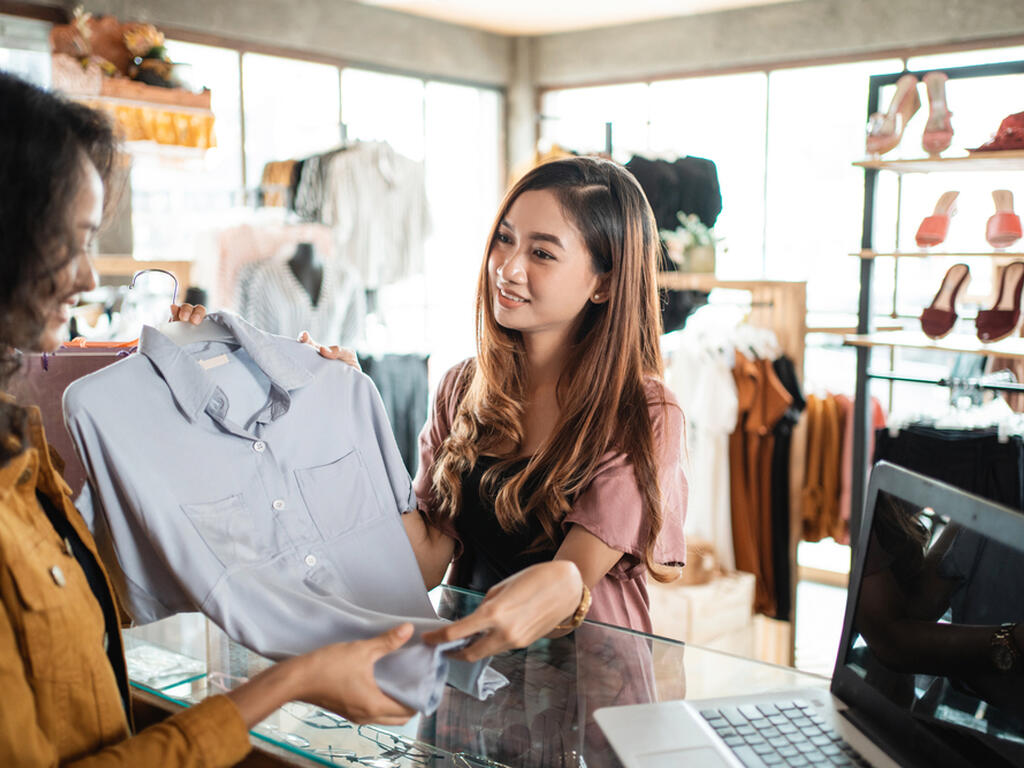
column 929, row 671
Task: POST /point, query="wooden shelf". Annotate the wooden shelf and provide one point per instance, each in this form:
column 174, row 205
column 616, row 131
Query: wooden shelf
column 694, row 281
column 1008, row 160
column 113, row 265
column 843, row 324
column 957, row 343
column 995, row 255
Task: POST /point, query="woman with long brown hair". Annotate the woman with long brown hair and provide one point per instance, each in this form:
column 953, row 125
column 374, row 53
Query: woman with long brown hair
column 556, row 451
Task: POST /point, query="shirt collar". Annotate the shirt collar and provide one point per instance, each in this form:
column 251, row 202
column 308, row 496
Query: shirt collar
column 192, row 387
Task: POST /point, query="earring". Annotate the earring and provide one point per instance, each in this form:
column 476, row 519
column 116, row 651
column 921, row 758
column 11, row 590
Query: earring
column 597, row 297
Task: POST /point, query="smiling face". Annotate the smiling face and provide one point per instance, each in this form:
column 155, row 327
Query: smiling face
column 541, row 275
column 76, row 274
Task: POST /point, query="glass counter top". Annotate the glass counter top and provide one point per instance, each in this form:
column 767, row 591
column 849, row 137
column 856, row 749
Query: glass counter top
column 543, row 718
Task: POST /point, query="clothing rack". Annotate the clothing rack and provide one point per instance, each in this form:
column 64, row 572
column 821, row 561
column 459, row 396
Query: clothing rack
column 862, row 420
column 779, row 306
column 949, row 382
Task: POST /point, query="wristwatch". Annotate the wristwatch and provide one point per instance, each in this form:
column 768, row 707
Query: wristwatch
column 1003, row 649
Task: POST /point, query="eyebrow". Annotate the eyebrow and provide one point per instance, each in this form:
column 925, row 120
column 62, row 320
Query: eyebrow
column 544, row 236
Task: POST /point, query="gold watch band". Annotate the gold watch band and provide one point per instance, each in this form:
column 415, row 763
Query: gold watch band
column 581, row 611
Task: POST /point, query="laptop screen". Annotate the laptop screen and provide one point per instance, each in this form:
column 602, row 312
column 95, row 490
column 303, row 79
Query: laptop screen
column 924, row 630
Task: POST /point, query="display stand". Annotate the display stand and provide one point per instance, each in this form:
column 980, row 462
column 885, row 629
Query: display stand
column 867, row 336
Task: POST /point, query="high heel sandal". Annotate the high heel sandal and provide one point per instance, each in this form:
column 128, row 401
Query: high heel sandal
column 938, row 131
column 934, row 228
column 998, row 323
column 1003, row 228
column 938, row 318
column 886, row 130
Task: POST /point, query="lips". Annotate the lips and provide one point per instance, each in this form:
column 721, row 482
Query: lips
column 507, row 294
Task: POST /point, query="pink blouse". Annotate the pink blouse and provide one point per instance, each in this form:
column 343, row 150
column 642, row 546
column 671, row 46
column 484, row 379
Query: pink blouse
column 610, row 507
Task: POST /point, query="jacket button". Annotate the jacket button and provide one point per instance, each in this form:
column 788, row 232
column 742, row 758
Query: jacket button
column 24, row 477
column 58, row 576
column 67, row 547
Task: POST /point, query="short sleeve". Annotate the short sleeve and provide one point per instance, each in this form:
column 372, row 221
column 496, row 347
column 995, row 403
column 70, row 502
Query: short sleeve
column 434, row 432
column 611, row 506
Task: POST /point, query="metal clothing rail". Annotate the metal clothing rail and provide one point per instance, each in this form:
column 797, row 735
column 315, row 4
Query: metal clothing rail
column 862, row 418
column 949, row 382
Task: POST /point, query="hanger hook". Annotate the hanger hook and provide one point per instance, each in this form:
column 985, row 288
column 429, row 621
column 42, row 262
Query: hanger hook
column 174, row 296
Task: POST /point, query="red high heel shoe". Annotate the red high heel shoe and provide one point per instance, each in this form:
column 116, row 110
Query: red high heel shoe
column 886, row 130
column 998, row 323
column 1003, row 228
column 933, row 229
column 938, row 319
column 938, row 131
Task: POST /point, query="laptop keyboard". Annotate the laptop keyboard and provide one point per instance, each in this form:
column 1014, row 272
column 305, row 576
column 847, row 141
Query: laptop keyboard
column 787, row 733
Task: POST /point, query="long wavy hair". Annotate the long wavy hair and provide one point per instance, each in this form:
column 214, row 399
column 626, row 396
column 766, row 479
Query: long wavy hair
column 603, row 402
column 43, row 139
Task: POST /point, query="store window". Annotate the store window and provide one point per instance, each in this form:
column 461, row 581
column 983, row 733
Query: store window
column 464, row 184
column 721, row 119
column 25, row 48
column 292, row 109
column 577, row 119
column 178, row 194
column 381, row 107
column 814, row 196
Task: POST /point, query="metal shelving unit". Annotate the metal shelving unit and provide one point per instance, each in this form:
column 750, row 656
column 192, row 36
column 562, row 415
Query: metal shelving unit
column 867, row 337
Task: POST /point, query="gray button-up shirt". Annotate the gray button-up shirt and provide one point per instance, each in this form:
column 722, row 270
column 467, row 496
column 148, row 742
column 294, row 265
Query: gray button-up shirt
column 260, row 484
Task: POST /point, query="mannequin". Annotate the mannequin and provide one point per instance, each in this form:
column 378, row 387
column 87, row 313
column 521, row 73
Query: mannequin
column 308, row 268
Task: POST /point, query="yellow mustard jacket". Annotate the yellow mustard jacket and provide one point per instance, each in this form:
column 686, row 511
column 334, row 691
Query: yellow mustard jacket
column 59, row 699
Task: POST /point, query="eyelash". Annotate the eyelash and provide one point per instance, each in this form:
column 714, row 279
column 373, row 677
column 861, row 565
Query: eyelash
column 501, row 237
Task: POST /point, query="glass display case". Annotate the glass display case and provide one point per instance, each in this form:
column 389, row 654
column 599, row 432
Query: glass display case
column 544, row 717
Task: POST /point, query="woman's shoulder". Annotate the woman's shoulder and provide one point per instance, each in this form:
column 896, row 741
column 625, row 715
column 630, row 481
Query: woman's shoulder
column 456, row 378
column 452, row 387
column 662, row 404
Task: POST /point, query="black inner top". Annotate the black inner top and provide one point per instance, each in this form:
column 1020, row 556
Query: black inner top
column 98, row 585
column 490, row 554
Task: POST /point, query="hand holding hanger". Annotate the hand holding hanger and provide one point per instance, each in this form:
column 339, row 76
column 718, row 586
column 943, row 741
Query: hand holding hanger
column 333, row 352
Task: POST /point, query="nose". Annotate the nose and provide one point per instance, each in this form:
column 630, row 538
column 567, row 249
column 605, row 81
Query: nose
column 86, row 278
column 511, row 270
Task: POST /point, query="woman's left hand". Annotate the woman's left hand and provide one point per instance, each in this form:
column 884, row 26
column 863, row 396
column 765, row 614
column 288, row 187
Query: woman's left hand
column 517, row 611
column 188, row 313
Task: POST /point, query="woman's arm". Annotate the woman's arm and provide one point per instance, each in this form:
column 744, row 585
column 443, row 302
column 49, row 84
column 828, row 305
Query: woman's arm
column 433, row 549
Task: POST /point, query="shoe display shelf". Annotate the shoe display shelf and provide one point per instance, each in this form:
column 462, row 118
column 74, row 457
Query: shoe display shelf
column 868, row 335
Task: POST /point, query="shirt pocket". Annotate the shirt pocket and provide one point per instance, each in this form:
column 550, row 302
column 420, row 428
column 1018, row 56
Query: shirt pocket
column 54, row 615
column 339, row 495
column 233, row 534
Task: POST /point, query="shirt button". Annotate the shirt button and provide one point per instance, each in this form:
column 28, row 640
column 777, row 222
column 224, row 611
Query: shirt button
column 310, row 560
column 106, row 642
column 259, row 446
column 278, row 504
column 67, row 547
column 58, row 576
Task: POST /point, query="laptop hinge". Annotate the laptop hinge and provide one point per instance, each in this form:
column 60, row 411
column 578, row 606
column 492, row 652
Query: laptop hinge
column 918, row 747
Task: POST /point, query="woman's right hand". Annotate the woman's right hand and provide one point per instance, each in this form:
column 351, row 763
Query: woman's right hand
column 337, row 677
column 333, row 352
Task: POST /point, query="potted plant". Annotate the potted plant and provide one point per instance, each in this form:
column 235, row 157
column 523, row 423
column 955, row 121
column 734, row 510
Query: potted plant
column 691, row 245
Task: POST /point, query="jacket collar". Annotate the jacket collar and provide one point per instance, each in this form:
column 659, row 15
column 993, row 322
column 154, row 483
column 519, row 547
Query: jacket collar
column 192, row 387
